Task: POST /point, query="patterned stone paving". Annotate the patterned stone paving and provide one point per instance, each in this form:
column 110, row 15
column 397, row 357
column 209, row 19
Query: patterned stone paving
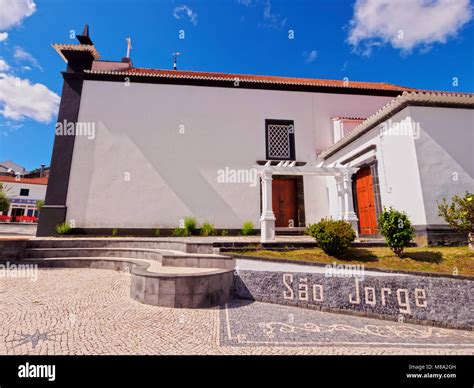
column 84, row 311
column 257, row 324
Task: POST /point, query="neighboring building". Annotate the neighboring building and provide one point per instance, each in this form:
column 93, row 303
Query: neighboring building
column 40, row 172
column 149, row 147
column 10, row 168
column 23, row 194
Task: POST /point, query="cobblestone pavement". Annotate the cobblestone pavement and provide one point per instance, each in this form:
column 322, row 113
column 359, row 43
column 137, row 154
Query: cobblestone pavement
column 84, row 311
column 15, row 230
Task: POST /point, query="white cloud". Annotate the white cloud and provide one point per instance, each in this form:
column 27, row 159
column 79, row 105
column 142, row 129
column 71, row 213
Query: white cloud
column 21, row 99
column 272, row 20
column 3, row 65
column 310, row 56
column 22, row 56
column 8, row 127
column 406, row 24
column 182, row 10
column 12, row 12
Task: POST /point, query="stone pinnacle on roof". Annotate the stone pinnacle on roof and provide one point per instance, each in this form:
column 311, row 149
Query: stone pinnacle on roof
column 84, row 38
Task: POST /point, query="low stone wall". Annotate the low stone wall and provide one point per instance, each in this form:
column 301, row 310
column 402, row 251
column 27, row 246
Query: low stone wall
column 439, row 301
column 191, row 291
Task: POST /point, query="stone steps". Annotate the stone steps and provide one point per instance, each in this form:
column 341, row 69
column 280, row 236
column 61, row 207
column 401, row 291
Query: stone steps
column 131, row 253
column 163, row 273
column 167, row 258
column 187, row 247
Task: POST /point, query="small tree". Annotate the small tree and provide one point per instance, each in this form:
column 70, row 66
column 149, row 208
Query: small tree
column 39, row 204
column 459, row 214
column 4, row 200
column 397, row 230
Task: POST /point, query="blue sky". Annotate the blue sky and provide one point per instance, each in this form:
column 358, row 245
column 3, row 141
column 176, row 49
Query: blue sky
column 416, row 43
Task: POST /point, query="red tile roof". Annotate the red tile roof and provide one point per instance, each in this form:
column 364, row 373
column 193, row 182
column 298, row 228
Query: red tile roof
column 425, row 98
column 348, row 118
column 29, row 181
column 264, row 79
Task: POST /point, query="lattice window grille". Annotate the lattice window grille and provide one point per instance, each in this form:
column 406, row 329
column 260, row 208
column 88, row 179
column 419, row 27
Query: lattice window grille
column 279, row 141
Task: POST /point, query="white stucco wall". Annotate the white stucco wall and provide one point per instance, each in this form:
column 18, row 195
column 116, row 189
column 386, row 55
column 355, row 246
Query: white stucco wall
column 399, row 180
column 445, row 153
column 173, row 174
column 316, row 198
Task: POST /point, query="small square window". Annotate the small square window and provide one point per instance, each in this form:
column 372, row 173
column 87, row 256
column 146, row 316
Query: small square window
column 280, row 139
column 24, row 192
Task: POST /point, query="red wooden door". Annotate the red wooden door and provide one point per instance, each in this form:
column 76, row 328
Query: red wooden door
column 366, row 201
column 284, row 201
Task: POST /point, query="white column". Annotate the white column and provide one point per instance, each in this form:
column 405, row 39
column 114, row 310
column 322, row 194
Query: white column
column 340, row 195
column 267, row 220
column 349, row 214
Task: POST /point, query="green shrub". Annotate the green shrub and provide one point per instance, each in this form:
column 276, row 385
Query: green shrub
column 247, row 228
column 397, row 230
column 157, row 232
column 334, row 237
column 179, row 232
column 114, row 232
column 63, row 228
column 224, row 232
column 208, row 229
column 190, row 225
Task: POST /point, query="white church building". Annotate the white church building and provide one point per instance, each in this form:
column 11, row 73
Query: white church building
column 140, row 149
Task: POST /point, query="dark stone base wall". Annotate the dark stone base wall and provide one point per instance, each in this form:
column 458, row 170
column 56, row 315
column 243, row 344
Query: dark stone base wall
column 438, row 301
column 433, row 235
column 130, row 232
column 50, row 216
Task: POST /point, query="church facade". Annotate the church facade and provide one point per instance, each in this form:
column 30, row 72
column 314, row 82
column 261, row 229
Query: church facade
column 140, row 149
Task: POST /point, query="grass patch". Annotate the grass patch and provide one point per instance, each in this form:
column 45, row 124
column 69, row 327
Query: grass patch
column 430, row 259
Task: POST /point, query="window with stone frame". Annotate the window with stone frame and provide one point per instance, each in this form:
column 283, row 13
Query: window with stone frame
column 280, row 139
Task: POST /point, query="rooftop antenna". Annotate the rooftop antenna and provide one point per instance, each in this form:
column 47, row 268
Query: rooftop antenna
column 175, row 61
column 129, row 46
